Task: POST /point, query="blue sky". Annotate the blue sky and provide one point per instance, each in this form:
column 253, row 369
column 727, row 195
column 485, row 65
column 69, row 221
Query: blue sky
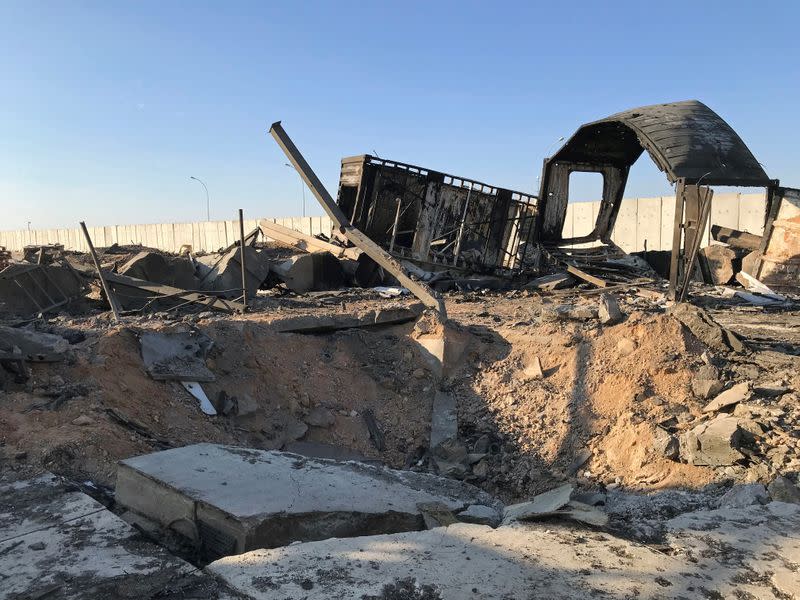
column 107, row 108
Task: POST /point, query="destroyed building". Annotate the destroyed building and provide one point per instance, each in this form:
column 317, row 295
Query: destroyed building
column 441, row 397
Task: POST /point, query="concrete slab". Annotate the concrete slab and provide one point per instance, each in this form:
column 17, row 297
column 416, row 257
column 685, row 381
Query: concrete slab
column 237, row 499
column 40, row 503
column 531, row 561
column 59, row 543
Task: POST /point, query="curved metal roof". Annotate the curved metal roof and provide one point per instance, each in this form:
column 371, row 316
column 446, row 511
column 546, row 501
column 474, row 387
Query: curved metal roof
column 685, row 139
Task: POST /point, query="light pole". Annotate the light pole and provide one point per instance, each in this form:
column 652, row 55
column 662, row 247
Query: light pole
column 208, row 201
column 302, row 187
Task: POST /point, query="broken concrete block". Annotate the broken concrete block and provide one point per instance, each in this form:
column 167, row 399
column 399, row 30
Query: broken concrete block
column 50, row 534
column 224, row 274
column 310, row 272
column 608, row 310
column 239, row 499
column 738, row 393
column 713, row 443
column 33, row 345
column 459, row 562
column 176, row 356
column 158, row 268
column 720, row 263
column 480, row 514
column 436, row 514
column 585, row 513
column 742, row 495
column 706, row 329
column 542, row 505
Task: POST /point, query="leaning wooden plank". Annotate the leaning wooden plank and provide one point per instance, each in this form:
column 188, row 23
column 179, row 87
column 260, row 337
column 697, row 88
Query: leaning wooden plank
column 211, row 302
column 580, row 274
column 356, row 237
column 301, row 241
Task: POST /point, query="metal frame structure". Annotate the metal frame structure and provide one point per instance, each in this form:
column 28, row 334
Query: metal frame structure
column 438, row 220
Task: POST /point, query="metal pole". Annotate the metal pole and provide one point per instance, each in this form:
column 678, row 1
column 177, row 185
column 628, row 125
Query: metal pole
column 394, row 227
column 112, row 300
column 208, row 200
column 457, row 250
column 241, row 260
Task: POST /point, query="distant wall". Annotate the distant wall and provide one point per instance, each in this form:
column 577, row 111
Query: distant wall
column 202, row 236
column 641, row 221
column 650, row 221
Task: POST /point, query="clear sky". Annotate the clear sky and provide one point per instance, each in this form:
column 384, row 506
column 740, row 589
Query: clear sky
column 107, row 108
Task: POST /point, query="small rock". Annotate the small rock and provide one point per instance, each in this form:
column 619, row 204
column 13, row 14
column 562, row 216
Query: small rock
column 580, row 459
column 783, row 490
column 706, row 388
column 771, row 390
column 743, row 495
column 246, row 405
column 707, row 371
column 57, row 381
column 626, row 346
column 665, row 444
column 481, row 469
column 37, row 546
column 320, row 417
column 482, row 444
column 22, row 455
column 83, row 420
column 533, row 370
column 419, row 373
column 608, row 311
column 738, row 393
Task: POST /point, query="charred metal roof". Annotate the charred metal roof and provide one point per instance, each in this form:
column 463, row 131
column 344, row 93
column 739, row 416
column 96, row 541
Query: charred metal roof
column 685, row 139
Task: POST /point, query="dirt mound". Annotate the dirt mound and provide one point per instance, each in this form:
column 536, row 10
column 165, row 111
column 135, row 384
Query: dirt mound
column 595, row 411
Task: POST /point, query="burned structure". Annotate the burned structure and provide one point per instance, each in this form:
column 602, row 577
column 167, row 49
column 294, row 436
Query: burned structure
column 438, row 220
column 689, row 142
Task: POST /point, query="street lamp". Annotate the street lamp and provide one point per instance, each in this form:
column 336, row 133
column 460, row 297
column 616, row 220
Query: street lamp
column 208, row 201
column 302, row 187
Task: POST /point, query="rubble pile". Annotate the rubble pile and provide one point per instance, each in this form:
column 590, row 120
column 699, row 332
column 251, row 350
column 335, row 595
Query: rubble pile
column 358, row 414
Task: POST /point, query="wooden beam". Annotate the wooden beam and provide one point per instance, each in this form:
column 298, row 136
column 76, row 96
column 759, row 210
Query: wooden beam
column 580, row 274
column 301, row 241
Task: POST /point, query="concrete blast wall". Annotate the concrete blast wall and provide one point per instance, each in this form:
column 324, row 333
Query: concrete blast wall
column 641, row 222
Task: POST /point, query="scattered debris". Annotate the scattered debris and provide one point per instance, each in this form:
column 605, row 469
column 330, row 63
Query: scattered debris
column 196, row 390
column 176, row 356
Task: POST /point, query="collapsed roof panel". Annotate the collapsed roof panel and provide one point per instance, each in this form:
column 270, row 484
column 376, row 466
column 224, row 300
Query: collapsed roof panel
column 687, row 140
